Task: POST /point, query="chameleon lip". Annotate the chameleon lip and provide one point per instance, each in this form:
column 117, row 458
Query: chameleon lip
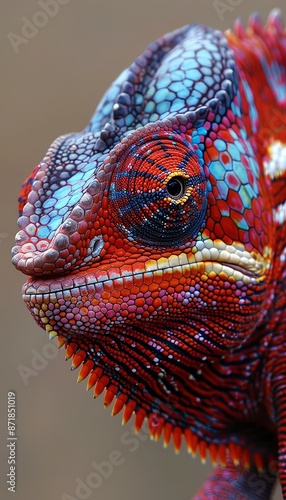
column 245, row 271
column 41, row 286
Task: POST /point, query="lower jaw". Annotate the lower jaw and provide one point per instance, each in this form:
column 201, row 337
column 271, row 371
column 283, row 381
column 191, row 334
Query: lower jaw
column 247, row 448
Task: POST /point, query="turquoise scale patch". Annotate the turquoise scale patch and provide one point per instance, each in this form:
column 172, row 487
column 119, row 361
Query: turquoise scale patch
column 150, row 107
column 129, row 120
column 43, row 232
column 223, row 189
column 61, row 203
column 233, row 151
column 240, row 172
column 162, row 107
column 252, row 109
column 50, row 202
column 220, row 145
column 245, row 196
column 241, row 223
column 55, row 222
column 63, row 192
column 217, row 170
column 209, row 80
column 255, row 169
column 162, row 83
column 177, row 106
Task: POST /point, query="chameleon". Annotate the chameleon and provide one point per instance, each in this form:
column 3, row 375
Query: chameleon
column 154, row 245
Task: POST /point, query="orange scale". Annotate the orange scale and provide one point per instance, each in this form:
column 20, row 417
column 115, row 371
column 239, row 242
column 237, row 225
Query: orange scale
column 213, row 153
column 157, row 303
column 84, row 311
column 140, row 302
column 112, row 248
column 186, row 272
column 174, row 283
column 119, row 243
column 150, row 310
column 145, row 314
column 230, row 300
column 113, row 300
column 158, row 276
column 108, row 289
column 153, row 287
column 177, row 271
column 224, row 134
column 148, row 280
column 118, row 285
column 212, row 275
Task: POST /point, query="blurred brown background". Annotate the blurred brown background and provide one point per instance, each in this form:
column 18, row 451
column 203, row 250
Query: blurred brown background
column 52, row 83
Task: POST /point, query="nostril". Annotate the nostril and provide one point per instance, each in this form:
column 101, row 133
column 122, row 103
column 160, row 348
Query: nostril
column 95, row 247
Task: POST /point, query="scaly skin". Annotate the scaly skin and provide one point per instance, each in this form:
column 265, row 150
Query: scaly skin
column 154, row 242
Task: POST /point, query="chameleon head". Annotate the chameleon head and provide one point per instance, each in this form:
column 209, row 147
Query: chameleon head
column 147, row 253
column 144, row 279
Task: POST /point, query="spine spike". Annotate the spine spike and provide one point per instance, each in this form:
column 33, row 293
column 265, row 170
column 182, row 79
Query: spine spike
column 153, row 421
column 61, row 341
column 259, row 462
column 85, row 370
column 93, row 378
column 118, row 404
column 275, row 21
column 70, row 350
column 188, row 437
column 167, row 433
column 177, row 436
column 235, row 453
column 246, row 458
column 203, row 451
column 52, row 334
column 109, row 395
column 213, row 449
column 239, row 28
column 128, row 411
column 139, row 420
column 100, row 386
column 255, row 24
column 159, row 428
column 194, row 444
column 78, row 358
column 222, row 451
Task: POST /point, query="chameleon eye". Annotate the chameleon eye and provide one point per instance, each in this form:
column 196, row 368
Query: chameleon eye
column 176, row 187
column 158, row 190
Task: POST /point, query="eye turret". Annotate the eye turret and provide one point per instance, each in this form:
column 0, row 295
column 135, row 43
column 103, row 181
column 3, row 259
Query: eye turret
column 158, row 191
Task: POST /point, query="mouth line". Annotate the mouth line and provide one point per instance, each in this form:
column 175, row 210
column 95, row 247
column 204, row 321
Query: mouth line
column 69, row 282
column 247, row 272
